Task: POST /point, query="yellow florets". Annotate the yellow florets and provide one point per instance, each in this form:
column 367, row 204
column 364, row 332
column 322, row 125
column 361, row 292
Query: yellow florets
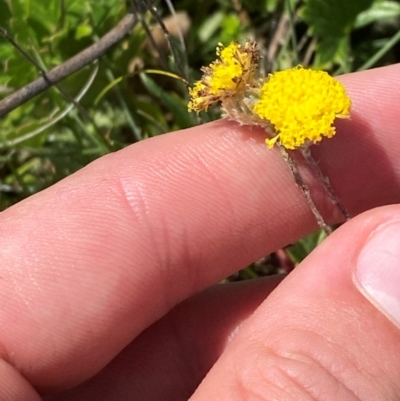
column 297, row 107
column 226, row 72
column 226, row 77
column 301, row 105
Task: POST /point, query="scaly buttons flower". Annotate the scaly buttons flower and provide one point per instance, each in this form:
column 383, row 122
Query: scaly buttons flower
column 226, row 77
column 301, row 105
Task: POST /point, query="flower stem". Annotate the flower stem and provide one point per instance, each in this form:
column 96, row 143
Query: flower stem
column 306, row 152
column 305, row 189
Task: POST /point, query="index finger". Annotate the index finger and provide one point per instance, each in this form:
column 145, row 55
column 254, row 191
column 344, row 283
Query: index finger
column 91, row 262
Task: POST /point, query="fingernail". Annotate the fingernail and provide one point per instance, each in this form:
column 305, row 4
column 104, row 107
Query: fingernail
column 377, row 273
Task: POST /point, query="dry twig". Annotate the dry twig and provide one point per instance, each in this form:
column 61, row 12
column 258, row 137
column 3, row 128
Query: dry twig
column 69, row 67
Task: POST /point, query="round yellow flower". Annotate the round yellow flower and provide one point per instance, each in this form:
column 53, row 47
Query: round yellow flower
column 301, row 104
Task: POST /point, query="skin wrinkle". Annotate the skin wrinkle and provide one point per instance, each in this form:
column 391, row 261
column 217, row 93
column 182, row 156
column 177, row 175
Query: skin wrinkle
column 292, row 369
column 321, row 351
column 310, row 360
column 318, row 348
column 326, row 355
column 294, row 384
column 142, row 211
column 202, row 166
column 162, row 235
column 135, row 199
column 277, row 378
column 269, row 381
column 161, row 255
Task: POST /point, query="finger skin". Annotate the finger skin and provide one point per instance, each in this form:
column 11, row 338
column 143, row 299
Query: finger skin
column 14, row 387
column 169, row 359
column 315, row 337
column 88, row 264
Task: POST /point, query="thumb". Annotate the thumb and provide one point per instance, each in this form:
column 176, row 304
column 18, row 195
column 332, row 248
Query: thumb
column 330, row 331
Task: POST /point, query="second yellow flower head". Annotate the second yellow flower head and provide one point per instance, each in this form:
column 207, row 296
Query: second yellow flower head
column 297, row 106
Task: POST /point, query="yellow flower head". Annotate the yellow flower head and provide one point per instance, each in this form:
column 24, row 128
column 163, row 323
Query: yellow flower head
column 226, row 77
column 301, row 104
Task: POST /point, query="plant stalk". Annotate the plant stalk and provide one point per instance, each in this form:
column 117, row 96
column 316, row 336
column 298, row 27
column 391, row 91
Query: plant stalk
column 305, row 189
column 306, row 152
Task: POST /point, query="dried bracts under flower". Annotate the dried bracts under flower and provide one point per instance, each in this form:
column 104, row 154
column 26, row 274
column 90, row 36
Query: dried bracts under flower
column 229, row 77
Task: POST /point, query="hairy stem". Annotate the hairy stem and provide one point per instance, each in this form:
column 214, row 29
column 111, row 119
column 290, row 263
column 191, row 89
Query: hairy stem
column 325, row 182
column 305, row 189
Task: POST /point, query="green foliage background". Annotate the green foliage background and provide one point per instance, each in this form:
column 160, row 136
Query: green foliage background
column 127, row 102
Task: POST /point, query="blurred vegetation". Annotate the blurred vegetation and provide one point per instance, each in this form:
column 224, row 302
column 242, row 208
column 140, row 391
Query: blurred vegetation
column 126, row 97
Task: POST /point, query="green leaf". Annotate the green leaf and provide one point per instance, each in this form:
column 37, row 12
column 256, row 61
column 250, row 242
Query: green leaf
column 45, row 12
column 333, row 51
column 77, row 7
column 332, row 22
column 21, row 71
column 333, row 18
column 39, row 29
column 380, row 10
column 230, row 28
column 106, row 9
column 83, row 31
column 208, row 28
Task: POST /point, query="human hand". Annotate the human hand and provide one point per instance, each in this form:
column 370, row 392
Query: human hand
column 98, row 273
